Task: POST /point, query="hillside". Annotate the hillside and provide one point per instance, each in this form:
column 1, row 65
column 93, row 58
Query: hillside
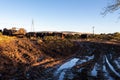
column 58, row 59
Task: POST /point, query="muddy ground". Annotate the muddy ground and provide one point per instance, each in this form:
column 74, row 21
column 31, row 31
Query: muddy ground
column 25, row 59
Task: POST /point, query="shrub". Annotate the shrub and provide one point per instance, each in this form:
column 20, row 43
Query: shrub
column 49, row 38
column 116, row 36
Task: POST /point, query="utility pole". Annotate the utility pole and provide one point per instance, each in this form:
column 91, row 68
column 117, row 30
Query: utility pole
column 93, row 30
column 32, row 29
column 32, row 26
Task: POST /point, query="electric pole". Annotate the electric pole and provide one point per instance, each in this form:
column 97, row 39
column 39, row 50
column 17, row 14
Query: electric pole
column 32, row 26
column 93, row 30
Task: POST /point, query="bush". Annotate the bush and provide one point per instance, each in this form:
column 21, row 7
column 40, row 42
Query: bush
column 116, row 36
column 49, row 38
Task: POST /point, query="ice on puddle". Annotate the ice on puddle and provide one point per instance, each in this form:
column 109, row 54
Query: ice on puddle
column 112, row 68
column 68, row 64
column 94, row 72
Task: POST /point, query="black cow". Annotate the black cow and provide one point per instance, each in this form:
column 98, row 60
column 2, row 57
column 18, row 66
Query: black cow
column 0, row 31
column 40, row 34
column 84, row 36
column 7, row 32
column 30, row 34
column 57, row 34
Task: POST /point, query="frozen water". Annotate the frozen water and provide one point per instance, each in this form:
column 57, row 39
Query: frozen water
column 111, row 67
column 117, row 63
column 80, row 69
column 68, row 64
column 94, row 72
column 61, row 77
column 106, row 74
column 90, row 57
column 81, row 61
column 87, row 58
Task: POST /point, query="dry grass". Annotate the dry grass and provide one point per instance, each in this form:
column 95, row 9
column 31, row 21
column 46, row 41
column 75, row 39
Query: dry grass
column 6, row 39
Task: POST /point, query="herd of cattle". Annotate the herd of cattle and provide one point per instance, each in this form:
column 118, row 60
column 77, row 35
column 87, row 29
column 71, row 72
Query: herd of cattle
column 22, row 33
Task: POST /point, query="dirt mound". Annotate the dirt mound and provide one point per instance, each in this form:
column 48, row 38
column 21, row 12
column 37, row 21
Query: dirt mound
column 16, row 56
column 21, row 57
column 60, row 48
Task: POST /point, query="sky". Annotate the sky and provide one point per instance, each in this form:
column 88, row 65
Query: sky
column 58, row 15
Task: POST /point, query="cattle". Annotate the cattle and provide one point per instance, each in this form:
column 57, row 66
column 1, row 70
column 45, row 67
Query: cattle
column 57, row 34
column 21, row 33
column 43, row 34
column 84, row 36
column 30, row 34
column 40, row 35
column 7, row 32
column 0, row 31
column 13, row 32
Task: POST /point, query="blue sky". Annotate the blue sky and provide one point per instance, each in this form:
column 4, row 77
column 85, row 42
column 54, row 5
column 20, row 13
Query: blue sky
column 58, row 15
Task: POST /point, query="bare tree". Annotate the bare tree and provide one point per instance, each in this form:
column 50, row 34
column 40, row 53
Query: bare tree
column 112, row 7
